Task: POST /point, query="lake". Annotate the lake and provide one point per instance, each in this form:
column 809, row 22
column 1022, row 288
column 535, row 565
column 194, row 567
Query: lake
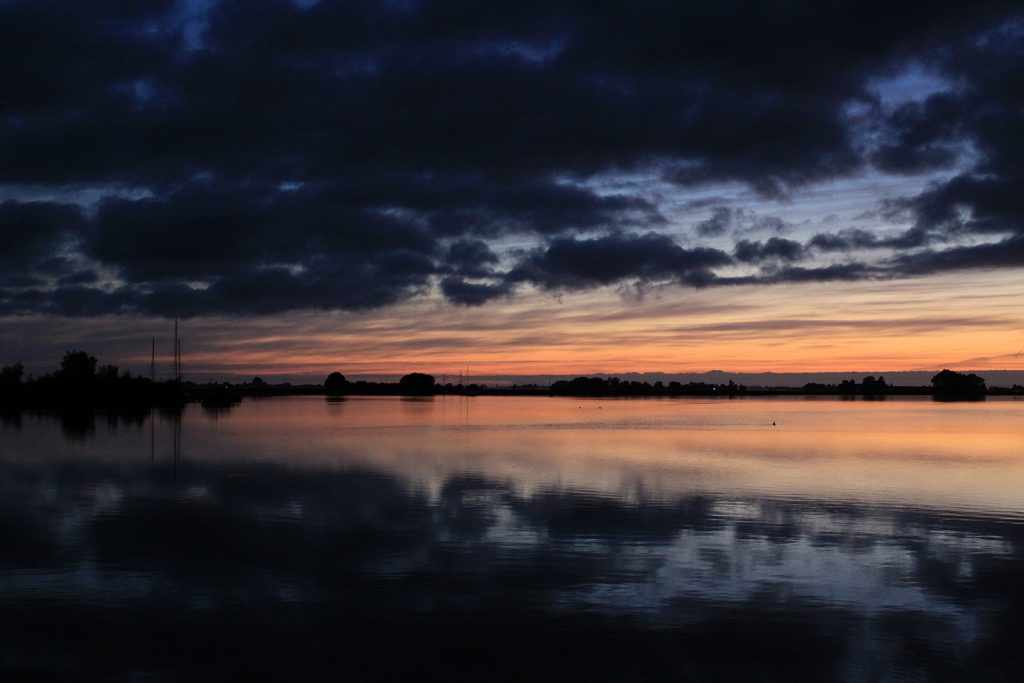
column 512, row 537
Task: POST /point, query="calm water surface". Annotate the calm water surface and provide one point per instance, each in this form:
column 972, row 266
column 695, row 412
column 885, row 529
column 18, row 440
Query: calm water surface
column 490, row 538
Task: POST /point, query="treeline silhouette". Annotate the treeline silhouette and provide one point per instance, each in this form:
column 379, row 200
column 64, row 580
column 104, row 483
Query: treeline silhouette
column 869, row 386
column 81, row 382
column 613, row 386
column 946, row 384
column 413, row 384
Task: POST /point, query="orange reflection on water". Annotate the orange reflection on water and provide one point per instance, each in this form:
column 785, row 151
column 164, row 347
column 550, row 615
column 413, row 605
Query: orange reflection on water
column 894, row 452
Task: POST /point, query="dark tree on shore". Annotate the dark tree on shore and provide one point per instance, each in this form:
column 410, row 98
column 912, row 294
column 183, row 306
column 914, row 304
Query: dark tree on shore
column 949, row 384
column 872, row 386
column 77, row 367
column 416, row 384
column 80, row 384
column 335, row 383
column 613, row 386
column 11, row 375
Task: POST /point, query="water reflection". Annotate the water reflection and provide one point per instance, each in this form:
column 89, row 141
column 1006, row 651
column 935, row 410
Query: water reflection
column 384, row 538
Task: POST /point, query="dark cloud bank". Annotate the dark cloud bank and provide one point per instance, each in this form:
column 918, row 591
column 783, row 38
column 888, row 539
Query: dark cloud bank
column 266, row 156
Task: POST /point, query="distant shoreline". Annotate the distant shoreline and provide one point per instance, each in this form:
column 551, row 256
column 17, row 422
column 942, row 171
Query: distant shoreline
column 759, row 380
column 81, row 384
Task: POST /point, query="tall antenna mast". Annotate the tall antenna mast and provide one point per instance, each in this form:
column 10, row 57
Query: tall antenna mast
column 152, row 359
column 177, row 357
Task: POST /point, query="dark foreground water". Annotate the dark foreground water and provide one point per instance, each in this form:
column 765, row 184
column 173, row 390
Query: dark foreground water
column 492, row 538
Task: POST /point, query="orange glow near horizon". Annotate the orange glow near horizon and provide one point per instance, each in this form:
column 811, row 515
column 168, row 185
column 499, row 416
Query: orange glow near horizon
column 972, row 321
column 968, row 321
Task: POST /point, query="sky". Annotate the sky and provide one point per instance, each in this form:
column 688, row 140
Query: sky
column 521, row 188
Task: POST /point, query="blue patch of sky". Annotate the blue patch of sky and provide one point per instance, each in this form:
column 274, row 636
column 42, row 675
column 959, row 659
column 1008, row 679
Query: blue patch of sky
column 191, row 17
column 88, row 197
column 536, row 53
column 913, row 82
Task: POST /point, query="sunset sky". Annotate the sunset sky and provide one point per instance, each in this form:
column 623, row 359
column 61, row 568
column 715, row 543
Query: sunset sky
column 522, row 188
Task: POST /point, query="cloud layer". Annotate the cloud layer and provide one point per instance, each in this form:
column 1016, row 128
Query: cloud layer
column 254, row 158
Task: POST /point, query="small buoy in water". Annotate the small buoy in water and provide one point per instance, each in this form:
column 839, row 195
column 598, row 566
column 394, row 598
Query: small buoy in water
column 773, row 424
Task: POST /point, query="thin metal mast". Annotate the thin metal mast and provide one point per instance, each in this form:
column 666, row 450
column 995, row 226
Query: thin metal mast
column 177, row 357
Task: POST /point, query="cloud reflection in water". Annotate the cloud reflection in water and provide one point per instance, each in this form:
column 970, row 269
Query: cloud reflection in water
column 111, row 562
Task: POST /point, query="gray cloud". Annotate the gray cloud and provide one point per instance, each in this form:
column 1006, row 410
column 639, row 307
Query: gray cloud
column 571, row 263
column 774, row 249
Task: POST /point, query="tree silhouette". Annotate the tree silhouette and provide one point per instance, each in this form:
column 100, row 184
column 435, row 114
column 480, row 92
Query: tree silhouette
column 949, row 384
column 77, row 367
column 11, row 375
column 335, row 383
column 416, row 384
column 108, row 373
column 874, row 386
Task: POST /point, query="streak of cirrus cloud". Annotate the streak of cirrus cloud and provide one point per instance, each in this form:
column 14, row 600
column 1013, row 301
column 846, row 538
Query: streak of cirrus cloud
column 264, row 161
